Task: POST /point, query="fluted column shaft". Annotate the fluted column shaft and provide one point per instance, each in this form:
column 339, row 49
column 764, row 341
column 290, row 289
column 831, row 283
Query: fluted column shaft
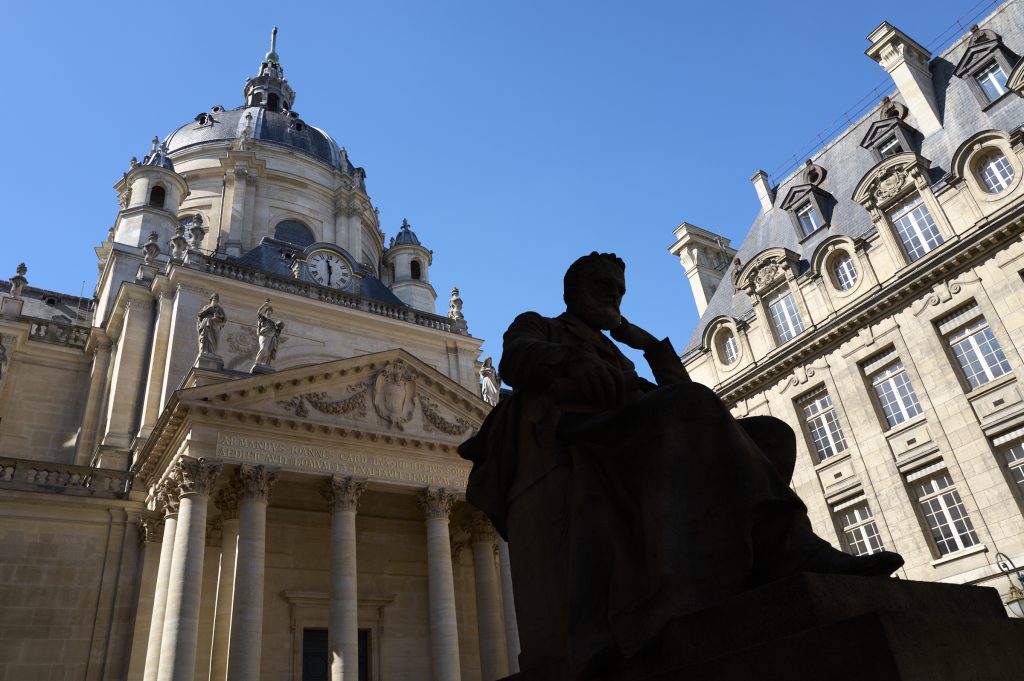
column 444, row 630
column 167, row 497
column 508, row 607
column 493, row 658
column 254, row 483
column 227, row 502
column 181, row 618
column 343, row 614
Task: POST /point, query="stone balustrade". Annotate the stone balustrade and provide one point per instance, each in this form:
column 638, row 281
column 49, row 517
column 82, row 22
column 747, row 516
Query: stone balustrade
column 250, row 276
column 28, row 474
column 58, row 333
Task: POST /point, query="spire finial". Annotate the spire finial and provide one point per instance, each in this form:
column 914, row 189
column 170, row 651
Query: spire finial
column 272, row 55
column 405, row 224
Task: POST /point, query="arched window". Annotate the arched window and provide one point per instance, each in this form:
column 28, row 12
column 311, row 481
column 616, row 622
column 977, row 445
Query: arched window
column 156, row 196
column 995, row 172
column 728, row 350
column 415, row 270
column 257, row 99
column 272, row 102
column 294, row 232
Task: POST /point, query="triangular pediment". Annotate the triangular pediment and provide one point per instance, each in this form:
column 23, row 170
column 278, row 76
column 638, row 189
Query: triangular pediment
column 878, row 131
column 391, row 391
column 980, row 50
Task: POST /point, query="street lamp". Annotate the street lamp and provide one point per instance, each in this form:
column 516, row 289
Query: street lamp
column 1015, row 598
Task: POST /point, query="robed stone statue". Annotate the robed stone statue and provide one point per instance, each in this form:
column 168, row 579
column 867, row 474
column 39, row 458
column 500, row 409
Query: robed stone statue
column 208, row 325
column 268, row 334
column 626, row 503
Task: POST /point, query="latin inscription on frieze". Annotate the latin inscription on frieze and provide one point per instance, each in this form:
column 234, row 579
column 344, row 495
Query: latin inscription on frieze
column 338, row 461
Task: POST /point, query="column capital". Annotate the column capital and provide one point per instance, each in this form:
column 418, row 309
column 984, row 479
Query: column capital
column 168, row 495
column 479, row 527
column 197, row 476
column 151, row 527
column 342, row 493
column 226, row 500
column 255, row 482
column 436, row 502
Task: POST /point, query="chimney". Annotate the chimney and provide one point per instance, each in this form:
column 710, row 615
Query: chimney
column 765, row 193
column 704, row 256
column 907, row 62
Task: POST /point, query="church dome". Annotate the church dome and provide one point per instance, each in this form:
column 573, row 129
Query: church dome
column 266, row 117
column 283, row 128
column 407, row 237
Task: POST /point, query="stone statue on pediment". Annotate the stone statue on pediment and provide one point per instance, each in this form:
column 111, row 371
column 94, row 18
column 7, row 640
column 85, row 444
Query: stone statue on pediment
column 151, row 249
column 208, row 325
column 490, row 382
column 268, row 334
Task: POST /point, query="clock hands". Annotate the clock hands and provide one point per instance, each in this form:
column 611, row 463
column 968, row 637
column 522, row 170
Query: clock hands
column 329, row 270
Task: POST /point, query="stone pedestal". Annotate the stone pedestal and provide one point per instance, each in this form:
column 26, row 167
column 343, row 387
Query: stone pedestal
column 261, row 369
column 812, row 627
column 210, row 362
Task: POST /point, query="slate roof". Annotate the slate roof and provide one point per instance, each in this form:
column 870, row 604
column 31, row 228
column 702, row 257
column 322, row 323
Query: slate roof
column 70, row 308
column 847, row 162
column 270, row 127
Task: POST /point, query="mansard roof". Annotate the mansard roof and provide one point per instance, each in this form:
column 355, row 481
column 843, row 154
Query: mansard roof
column 847, row 163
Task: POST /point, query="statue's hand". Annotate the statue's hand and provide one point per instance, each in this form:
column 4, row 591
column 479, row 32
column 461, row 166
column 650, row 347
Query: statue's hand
column 633, row 336
column 594, row 382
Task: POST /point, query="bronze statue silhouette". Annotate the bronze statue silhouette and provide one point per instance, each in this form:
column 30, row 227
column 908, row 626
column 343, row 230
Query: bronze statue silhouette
column 627, row 504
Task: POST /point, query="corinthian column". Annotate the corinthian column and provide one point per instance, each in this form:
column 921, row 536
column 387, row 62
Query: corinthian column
column 253, row 484
column 167, row 499
column 343, row 623
column 493, row 658
column 444, row 631
column 508, row 607
column 226, row 500
column 181, row 619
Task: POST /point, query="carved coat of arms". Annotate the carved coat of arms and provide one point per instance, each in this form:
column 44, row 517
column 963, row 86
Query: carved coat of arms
column 890, row 184
column 394, row 393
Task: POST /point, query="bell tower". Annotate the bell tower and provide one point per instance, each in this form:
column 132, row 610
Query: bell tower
column 408, row 264
column 150, row 196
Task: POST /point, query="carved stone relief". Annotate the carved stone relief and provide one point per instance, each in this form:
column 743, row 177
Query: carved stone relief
column 394, row 393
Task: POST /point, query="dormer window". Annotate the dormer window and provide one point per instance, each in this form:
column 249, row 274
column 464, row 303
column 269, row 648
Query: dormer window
column 889, row 147
column 986, row 65
column 808, row 218
column 995, row 172
column 992, row 81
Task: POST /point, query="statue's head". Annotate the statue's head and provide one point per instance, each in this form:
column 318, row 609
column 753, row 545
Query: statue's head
column 214, row 298
column 594, row 286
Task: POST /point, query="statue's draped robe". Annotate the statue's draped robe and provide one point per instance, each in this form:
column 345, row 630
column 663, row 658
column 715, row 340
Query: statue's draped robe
column 662, row 490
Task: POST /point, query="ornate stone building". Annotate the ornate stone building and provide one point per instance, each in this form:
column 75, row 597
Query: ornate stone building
column 237, row 460
column 877, row 305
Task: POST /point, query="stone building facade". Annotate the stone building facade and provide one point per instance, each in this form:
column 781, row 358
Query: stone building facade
column 238, row 459
column 877, row 305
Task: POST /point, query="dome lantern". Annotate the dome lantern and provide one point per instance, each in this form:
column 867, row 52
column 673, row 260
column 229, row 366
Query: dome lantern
column 269, row 89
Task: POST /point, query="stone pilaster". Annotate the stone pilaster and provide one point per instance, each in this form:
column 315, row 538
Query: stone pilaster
column 196, row 478
column 226, row 500
column 92, row 411
column 444, row 631
column 253, row 485
column 342, row 493
column 493, row 657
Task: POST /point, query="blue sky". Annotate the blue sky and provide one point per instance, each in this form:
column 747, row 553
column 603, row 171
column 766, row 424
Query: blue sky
column 513, row 136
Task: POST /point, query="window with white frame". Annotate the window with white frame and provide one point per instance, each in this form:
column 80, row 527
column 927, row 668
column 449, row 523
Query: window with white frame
column 916, row 227
column 889, row 147
column 995, row 172
column 992, row 80
column 845, row 272
column 858, row 527
column 1011, row 447
column 785, row 317
column 727, row 347
column 809, row 219
column 822, row 423
column 892, row 386
column 943, row 510
column 975, row 347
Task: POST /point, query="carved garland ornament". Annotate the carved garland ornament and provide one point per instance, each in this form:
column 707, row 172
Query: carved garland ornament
column 323, row 403
column 433, row 418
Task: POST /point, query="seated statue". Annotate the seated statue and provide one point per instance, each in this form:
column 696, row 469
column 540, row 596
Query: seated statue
column 627, row 504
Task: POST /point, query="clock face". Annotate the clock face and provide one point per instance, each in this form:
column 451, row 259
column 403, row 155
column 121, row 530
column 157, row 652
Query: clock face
column 329, row 269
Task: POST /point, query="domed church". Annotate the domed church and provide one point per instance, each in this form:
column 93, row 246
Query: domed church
column 237, row 459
